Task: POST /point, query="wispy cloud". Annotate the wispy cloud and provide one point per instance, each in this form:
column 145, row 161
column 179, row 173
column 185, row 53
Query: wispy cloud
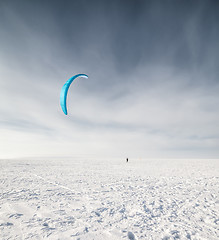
column 153, row 78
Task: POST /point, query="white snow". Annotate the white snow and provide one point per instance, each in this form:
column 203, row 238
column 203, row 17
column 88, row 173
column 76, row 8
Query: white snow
column 109, row 199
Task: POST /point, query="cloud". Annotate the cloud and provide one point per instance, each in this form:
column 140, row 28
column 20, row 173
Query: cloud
column 152, row 89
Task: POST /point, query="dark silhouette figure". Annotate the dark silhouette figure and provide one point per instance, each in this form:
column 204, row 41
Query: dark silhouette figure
column 127, row 159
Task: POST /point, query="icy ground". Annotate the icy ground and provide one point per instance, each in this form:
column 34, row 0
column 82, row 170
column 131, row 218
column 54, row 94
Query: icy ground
column 109, row 200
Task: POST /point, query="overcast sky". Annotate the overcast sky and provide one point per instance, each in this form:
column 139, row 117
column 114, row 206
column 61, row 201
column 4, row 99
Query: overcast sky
column 153, row 86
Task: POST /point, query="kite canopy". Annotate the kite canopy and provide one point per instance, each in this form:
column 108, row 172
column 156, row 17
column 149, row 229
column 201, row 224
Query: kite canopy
column 64, row 91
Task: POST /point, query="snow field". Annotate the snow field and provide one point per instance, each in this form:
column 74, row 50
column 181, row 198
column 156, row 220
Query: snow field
column 109, row 199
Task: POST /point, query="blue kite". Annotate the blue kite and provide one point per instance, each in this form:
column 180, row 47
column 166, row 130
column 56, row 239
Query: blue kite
column 64, row 91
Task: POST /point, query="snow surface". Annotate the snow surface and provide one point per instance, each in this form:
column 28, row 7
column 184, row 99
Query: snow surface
column 109, row 199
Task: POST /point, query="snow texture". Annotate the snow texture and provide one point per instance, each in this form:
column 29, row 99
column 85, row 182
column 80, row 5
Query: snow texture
column 109, row 199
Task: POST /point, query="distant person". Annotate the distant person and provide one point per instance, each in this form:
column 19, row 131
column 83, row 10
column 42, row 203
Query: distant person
column 127, row 159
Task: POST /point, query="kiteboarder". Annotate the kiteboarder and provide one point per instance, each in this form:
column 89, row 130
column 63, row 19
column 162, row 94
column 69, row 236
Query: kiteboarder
column 127, row 159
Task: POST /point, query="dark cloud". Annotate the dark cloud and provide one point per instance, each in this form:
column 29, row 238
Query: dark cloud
column 126, row 33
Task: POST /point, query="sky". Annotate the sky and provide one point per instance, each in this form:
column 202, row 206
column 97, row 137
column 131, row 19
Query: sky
column 153, row 86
